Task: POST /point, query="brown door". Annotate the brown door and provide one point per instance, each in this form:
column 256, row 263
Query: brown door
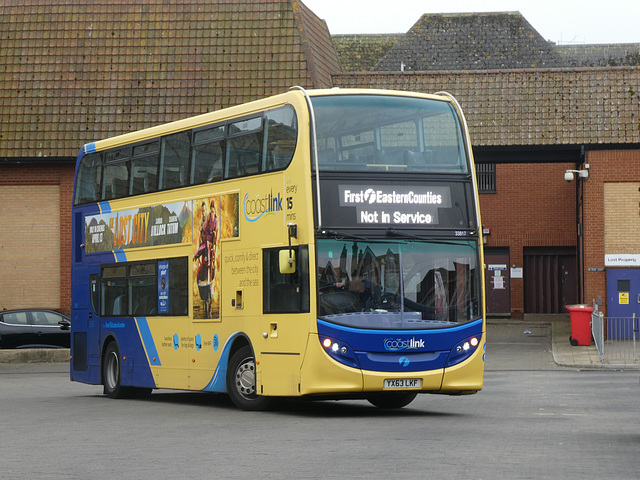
column 497, row 281
column 550, row 280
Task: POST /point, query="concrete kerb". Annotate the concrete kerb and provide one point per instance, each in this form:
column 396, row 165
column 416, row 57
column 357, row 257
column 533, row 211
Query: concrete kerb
column 35, row 355
column 564, row 354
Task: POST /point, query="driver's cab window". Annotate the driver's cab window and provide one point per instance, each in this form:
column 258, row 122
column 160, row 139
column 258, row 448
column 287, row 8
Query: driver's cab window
column 286, row 292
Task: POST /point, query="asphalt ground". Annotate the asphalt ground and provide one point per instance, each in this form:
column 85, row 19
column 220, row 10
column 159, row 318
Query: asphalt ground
column 537, row 342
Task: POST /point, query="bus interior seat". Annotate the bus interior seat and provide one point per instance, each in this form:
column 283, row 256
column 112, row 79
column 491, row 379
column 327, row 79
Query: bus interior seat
column 119, row 305
column 327, row 156
column 414, row 159
column 353, row 158
column 379, row 156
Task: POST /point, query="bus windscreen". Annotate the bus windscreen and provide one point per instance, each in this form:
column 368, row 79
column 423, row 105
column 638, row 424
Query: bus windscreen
column 392, row 133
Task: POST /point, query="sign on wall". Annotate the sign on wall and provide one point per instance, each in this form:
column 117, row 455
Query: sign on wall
column 622, row 260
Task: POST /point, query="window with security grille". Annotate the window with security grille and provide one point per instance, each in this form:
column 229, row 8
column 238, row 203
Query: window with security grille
column 486, row 175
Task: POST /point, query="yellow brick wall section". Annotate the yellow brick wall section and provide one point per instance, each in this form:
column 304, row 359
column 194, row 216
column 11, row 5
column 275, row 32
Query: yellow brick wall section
column 621, row 218
column 30, row 246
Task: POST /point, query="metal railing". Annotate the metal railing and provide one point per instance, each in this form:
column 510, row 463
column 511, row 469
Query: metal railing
column 597, row 330
column 617, row 339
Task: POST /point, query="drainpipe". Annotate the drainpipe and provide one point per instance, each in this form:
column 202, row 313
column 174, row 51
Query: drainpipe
column 580, row 217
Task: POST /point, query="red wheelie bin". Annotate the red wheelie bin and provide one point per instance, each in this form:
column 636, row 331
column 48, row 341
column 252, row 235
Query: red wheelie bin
column 580, row 324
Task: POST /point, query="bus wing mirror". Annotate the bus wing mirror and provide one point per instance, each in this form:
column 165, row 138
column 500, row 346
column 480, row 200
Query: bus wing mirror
column 287, row 261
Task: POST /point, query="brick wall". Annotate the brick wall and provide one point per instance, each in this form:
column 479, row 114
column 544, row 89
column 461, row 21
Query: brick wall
column 533, row 207
column 615, row 172
column 621, row 219
column 35, row 245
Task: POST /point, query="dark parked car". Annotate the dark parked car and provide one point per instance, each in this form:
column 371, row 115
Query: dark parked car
column 34, row 328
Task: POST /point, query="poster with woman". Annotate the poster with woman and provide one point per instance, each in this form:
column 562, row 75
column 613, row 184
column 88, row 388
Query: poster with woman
column 214, row 219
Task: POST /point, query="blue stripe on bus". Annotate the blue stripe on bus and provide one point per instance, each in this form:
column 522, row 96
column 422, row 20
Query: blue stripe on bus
column 105, row 207
column 465, row 326
column 90, row 147
column 218, row 382
column 147, row 340
column 120, row 255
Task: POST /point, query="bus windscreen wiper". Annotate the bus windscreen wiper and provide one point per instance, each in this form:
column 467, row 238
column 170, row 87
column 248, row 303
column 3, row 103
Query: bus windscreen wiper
column 340, row 235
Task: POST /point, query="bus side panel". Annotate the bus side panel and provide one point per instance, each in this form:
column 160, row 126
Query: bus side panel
column 466, row 377
column 209, row 357
column 134, row 367
column 168, row 348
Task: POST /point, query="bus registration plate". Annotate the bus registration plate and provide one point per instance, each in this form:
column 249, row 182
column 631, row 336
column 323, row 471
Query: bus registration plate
column 395, row 383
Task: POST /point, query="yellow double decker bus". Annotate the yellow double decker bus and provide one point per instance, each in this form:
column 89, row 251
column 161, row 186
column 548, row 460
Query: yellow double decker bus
column 322, row 243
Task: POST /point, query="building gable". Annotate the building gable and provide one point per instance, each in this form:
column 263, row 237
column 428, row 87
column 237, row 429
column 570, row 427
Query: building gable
column 470, row 41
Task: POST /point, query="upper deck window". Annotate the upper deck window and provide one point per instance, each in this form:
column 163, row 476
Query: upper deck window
column 238, row 147
column 388, row 133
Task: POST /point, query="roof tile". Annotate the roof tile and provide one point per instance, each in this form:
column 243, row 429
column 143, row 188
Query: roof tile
column 97, row 68
column 531, row 106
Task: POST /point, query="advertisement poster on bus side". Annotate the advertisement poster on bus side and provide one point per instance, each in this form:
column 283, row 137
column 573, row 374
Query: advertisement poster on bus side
column 163, row 286
column 214, row 219
column 148, row 226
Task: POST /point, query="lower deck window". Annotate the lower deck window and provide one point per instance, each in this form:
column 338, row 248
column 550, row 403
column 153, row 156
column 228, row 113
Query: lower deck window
column 157, row 287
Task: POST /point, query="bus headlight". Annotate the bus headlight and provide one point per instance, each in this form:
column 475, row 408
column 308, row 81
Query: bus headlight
column 462, row 350
column 340, row 351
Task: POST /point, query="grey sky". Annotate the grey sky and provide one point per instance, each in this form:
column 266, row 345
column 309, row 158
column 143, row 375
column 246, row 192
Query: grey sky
column 561, row 21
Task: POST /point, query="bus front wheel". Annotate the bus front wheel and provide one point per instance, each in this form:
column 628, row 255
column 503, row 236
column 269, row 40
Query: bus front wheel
column 391, row 399
column 241, row 381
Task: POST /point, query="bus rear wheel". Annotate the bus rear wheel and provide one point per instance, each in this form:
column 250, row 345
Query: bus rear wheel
column 111, row 370
column 241, row 381
column 391, row 399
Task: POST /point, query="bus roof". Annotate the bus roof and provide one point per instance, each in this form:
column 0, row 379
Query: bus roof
column 238, row 110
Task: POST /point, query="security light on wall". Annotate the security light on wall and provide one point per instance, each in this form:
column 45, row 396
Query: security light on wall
column 582, row 174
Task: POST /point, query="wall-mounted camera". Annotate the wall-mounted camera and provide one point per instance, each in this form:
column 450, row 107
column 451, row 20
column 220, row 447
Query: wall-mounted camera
column 569, row 175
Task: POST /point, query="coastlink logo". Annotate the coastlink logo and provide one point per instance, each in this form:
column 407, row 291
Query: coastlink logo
column 256, row 205
column 399, row 344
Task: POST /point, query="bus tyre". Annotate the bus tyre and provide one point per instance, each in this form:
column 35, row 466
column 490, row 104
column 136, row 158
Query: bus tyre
column 392, row 399
column 241, row 381
column 111, row 372
column 111, row 376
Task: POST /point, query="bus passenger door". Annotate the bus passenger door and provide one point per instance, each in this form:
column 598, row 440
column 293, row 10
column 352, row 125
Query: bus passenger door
column 285, row 320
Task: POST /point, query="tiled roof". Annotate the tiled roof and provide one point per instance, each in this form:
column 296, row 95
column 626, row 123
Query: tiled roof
column 76, row 71
column 470, row 41
column 531, row 106
column 317, row 45
column 360, row 53
column 617, row 55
